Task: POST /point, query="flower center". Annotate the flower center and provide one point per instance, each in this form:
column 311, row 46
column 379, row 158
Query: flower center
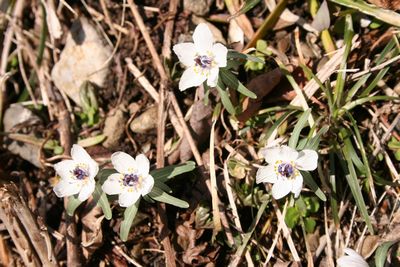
column 80, row 173
column 131, row 179
column 203, row 61
column 286, row 169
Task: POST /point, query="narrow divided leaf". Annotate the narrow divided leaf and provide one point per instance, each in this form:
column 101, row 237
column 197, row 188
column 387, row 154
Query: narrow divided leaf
column 72, row 204
column 309, row 181
column 354, row 185
column 232, row 54
column 226, row 101
column 232, row 82
column 169, row 172
column 159, row 195
column 381, row 253
column 101, row 198
column 297, row 129
column 126, row 224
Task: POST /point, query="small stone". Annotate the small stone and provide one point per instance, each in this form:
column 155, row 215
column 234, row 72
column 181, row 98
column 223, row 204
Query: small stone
column 114, row 128
column 146, row 121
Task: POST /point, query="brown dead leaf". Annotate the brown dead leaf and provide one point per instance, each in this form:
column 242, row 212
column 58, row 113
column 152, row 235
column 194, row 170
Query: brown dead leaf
column 200, row 123
column 188, row 236
column 369, row 245
column 261, row 85
column 92, row 234
column 388, row 4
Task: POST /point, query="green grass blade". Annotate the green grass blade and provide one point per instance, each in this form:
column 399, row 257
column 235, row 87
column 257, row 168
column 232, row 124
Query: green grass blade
column 381, row 253
column 355, row 103
column 374, row 82
column 301, row 123
column 341, row 77
column 364, row 157
column 354, row 185
column 384, row 15
column 332, row 181
column 278, row 122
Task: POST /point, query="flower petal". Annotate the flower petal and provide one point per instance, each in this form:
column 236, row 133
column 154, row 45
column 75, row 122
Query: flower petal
column 203, row 38
column 93, row 168
column 113, row 186
column 191, row 78
column 79, row 154
column 266, row 174
column 220, row 53
column 297, row 185
column 123, row 162
column 67, row 187
column 288, row 154
column 86, row 190
column 127, row 199
column 186, row 53
column 307, row 160
column 281, row 188
column 353, row 259
column 271, row 154
column 212, row 79
column 147, row 185
column 64, row 168
column 143, row 164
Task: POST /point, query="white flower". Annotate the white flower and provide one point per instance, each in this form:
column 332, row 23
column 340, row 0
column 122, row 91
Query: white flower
column 202, row 58
column 352, row 259
column 131, row 181
column 283, row 169
column 77, row 175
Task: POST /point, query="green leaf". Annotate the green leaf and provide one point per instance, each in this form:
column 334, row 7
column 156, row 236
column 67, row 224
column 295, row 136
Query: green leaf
column 232, row 54
column 248, row 5
column 313, row 143
column 301, row 123
column 163, row 186
column 226, row 101
column 385, row 15
column 278, row 122
column 103, row 175
column 353, row 183
column 292, row 217
column 309, row 181
column 232, row 82
column 72, row 204
column 381, row 253
column 374, row 82
column 126, row 224
column 101, row 199
column 309, row 224
column 159, row 195
column 361, row 101
column 341, row 77
column 166, row 173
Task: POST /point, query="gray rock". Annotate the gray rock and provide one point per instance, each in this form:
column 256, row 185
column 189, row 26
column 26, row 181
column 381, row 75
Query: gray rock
column 84, row 58
column 16, row 115
column 197, row 7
